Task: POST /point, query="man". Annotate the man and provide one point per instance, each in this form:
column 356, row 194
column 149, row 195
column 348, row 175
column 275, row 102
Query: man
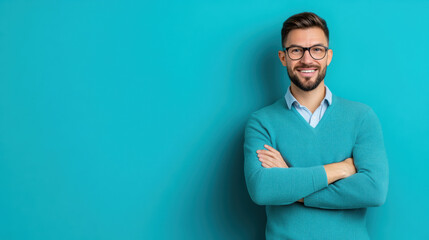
column 316, row 160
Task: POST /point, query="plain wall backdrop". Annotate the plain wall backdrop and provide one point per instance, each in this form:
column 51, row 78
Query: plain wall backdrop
column 125, row 119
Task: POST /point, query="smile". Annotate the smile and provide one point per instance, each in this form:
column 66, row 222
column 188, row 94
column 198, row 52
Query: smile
column 306, row 72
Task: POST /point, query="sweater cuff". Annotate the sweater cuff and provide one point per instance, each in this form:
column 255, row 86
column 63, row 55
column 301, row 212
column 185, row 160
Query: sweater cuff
column 320, row 179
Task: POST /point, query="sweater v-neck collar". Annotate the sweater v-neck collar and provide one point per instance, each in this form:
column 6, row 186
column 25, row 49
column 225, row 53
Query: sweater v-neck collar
column 322, row 120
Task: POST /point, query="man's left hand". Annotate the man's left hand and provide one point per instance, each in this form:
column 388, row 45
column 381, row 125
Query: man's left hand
column 271, row 158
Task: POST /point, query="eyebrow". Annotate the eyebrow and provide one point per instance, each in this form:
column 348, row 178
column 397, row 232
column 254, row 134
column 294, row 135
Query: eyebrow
column 317, row 44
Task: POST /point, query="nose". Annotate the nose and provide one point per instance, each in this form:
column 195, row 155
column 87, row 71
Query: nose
column 306, row 58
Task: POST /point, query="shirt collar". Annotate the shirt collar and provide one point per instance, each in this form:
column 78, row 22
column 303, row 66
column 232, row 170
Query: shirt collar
column 290, row 99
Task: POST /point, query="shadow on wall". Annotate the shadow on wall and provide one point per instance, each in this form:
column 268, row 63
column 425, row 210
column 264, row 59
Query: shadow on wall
column 220, row 206
column 264, row 79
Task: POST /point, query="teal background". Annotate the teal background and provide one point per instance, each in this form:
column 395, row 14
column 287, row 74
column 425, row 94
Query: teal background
column 125, row 119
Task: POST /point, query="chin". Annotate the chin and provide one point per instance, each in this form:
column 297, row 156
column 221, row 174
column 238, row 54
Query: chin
column 308, row 82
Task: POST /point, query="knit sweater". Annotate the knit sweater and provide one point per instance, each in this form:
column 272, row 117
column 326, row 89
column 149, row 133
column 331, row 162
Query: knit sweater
column 330, row 211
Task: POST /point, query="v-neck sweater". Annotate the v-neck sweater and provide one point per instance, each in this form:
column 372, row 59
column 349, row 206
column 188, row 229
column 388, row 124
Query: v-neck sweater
column 334, row 211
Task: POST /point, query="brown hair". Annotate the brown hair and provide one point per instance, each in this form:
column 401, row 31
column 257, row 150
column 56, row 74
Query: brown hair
column 301, row 21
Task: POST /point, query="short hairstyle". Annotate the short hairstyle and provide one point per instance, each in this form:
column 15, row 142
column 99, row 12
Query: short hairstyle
column 302, row 21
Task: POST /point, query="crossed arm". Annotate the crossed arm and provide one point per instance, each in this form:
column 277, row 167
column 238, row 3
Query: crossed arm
column 334, row 186
column 335, row 171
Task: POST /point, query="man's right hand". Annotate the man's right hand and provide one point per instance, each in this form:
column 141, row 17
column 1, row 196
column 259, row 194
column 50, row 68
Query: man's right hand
column 340, row 170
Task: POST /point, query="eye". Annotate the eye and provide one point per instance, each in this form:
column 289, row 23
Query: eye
column 318, row 49
column 295, row 50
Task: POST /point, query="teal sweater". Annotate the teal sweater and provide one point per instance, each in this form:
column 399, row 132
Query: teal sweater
column 334, row 211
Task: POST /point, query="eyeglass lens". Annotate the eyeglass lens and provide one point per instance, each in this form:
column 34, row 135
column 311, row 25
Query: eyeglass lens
column 317, row 52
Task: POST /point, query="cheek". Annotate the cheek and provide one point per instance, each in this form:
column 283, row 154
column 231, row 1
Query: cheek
column 323, row 64
column 290, row 65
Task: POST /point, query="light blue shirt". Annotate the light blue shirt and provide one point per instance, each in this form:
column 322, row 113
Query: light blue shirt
column 312, row 118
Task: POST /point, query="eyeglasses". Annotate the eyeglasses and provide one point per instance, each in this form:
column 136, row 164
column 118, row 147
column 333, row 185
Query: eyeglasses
column 317, row 52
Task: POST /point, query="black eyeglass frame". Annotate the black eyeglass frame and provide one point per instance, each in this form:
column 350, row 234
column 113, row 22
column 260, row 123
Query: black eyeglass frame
column 305, row 49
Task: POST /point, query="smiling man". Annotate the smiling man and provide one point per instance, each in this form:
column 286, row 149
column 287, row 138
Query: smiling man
column 316, row 160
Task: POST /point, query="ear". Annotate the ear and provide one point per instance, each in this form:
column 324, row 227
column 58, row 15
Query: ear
column 330, row 53
column 282, row 57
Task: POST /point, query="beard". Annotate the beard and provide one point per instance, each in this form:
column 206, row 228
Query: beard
column 301, row 84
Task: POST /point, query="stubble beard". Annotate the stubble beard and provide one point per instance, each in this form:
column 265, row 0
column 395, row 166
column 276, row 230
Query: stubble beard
column 294, row 78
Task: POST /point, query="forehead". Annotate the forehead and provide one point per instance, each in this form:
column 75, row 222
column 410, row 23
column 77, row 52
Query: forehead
column 306, row 37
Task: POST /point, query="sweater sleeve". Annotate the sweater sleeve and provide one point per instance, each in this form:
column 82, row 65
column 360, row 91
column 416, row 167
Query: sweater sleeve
column 368, row 186
column 275, row 186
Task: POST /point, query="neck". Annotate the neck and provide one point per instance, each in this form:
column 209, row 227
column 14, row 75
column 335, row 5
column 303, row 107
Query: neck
column 309, row 99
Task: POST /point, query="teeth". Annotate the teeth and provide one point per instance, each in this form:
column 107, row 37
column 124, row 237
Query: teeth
column 307, row 71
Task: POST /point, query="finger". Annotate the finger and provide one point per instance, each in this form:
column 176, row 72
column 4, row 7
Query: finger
column 268, row 149
column 276, row 154
column 271, row 148
column 266, row 165
column 274, row 162
column 266, row 162
column 267, row 159
column 267, row 152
